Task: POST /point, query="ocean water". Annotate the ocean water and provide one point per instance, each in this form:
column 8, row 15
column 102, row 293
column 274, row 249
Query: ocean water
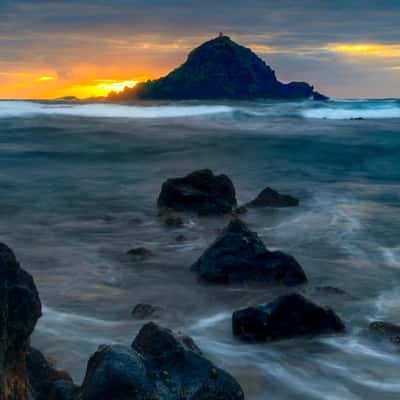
column 79, row 188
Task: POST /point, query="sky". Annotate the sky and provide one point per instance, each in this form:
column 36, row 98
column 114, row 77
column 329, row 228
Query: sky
column 83, row 48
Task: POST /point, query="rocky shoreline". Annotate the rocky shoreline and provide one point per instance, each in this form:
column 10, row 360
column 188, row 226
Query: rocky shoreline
column 160, row 363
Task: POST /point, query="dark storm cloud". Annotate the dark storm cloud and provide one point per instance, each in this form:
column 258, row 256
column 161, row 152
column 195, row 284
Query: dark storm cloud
column 293, row 33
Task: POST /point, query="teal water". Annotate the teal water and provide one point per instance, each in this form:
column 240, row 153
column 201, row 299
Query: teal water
column 79, row 187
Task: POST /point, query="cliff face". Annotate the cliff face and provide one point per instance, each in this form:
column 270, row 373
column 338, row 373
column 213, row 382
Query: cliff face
column 219, row 69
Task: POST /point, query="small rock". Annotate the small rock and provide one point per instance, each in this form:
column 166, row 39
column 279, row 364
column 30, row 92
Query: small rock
column 271, row 198
column 139, row 254
column 144, row 311
column 286, row 317
column 386, row 330
column 173, row 221
column 181, row 238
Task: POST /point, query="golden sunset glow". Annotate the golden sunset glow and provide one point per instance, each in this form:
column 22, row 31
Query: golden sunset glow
column 366, row 49
column 35, row 86
column 47, row 78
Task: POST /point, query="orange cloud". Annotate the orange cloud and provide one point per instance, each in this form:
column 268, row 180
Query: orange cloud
column 366, row 49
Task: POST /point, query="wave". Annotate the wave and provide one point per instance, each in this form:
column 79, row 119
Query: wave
column 26, row 109
column 341, row 109
column 337, row 113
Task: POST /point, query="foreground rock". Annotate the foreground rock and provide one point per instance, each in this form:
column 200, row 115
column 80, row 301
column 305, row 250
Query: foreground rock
column 286, row 317
column 160, row 365
column 201, row 192
column 46, row 381
column 238, row 255
column 271, row 198
column 386, row 330
column 20, row 309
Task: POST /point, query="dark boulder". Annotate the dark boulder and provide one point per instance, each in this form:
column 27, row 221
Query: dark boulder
column 201, row 192
column 271, row 198
column 179, row 370
column 286, row 317
column 386, row 330
column 160, row 365
column 154, row 341
column 238, row 255
column 117, row 373
column 20, row 308
column 48, row 382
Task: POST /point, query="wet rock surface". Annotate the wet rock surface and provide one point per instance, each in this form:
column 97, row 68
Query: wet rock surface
column 238, row 255
column 20, row 309
column 201, row 192
column 386, row 330
column 271, row 198
column 160, row 365
column 286, row 317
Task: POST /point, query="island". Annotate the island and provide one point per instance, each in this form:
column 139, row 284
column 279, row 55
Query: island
column 219, row 69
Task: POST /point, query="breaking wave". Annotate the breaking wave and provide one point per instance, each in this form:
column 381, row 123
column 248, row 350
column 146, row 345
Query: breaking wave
column 26, row 108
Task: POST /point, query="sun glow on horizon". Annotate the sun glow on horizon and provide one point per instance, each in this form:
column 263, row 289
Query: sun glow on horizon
column 49, row 86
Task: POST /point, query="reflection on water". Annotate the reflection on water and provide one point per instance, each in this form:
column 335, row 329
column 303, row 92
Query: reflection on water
column 79, row 190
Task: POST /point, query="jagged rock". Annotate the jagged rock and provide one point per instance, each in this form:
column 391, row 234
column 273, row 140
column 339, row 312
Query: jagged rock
column 47, row 382
column 386, row 330
column 117, row 373
column 144, row 311
column 201, row 192
column 20, row 308
column 160, row 365
column 286, row 317
column 219, row 69
column 139, row 254
column 180, row 371
column 238, row 255
column 154, row 340
column 271, row 198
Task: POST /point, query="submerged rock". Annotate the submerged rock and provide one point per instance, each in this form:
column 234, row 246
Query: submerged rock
column 144, row 311
column 160, row 365
column 271, row 198
column 20, row 309
column 139, row 254
column 386, row 330
column 238, row 255
column 286, row 317
column 201, row 192
column 173, row 221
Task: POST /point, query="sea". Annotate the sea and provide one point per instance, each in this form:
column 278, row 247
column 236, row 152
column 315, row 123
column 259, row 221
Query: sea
column 79, row 185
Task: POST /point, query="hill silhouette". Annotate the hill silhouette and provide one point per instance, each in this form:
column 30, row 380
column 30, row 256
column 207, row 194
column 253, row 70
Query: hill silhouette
column 219, row 69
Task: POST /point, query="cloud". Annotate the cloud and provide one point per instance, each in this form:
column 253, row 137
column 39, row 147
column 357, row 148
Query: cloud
column 80, row 41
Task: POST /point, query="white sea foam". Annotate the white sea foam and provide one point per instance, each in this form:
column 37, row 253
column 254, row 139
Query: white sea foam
column 371, row 112
column 27, row 108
